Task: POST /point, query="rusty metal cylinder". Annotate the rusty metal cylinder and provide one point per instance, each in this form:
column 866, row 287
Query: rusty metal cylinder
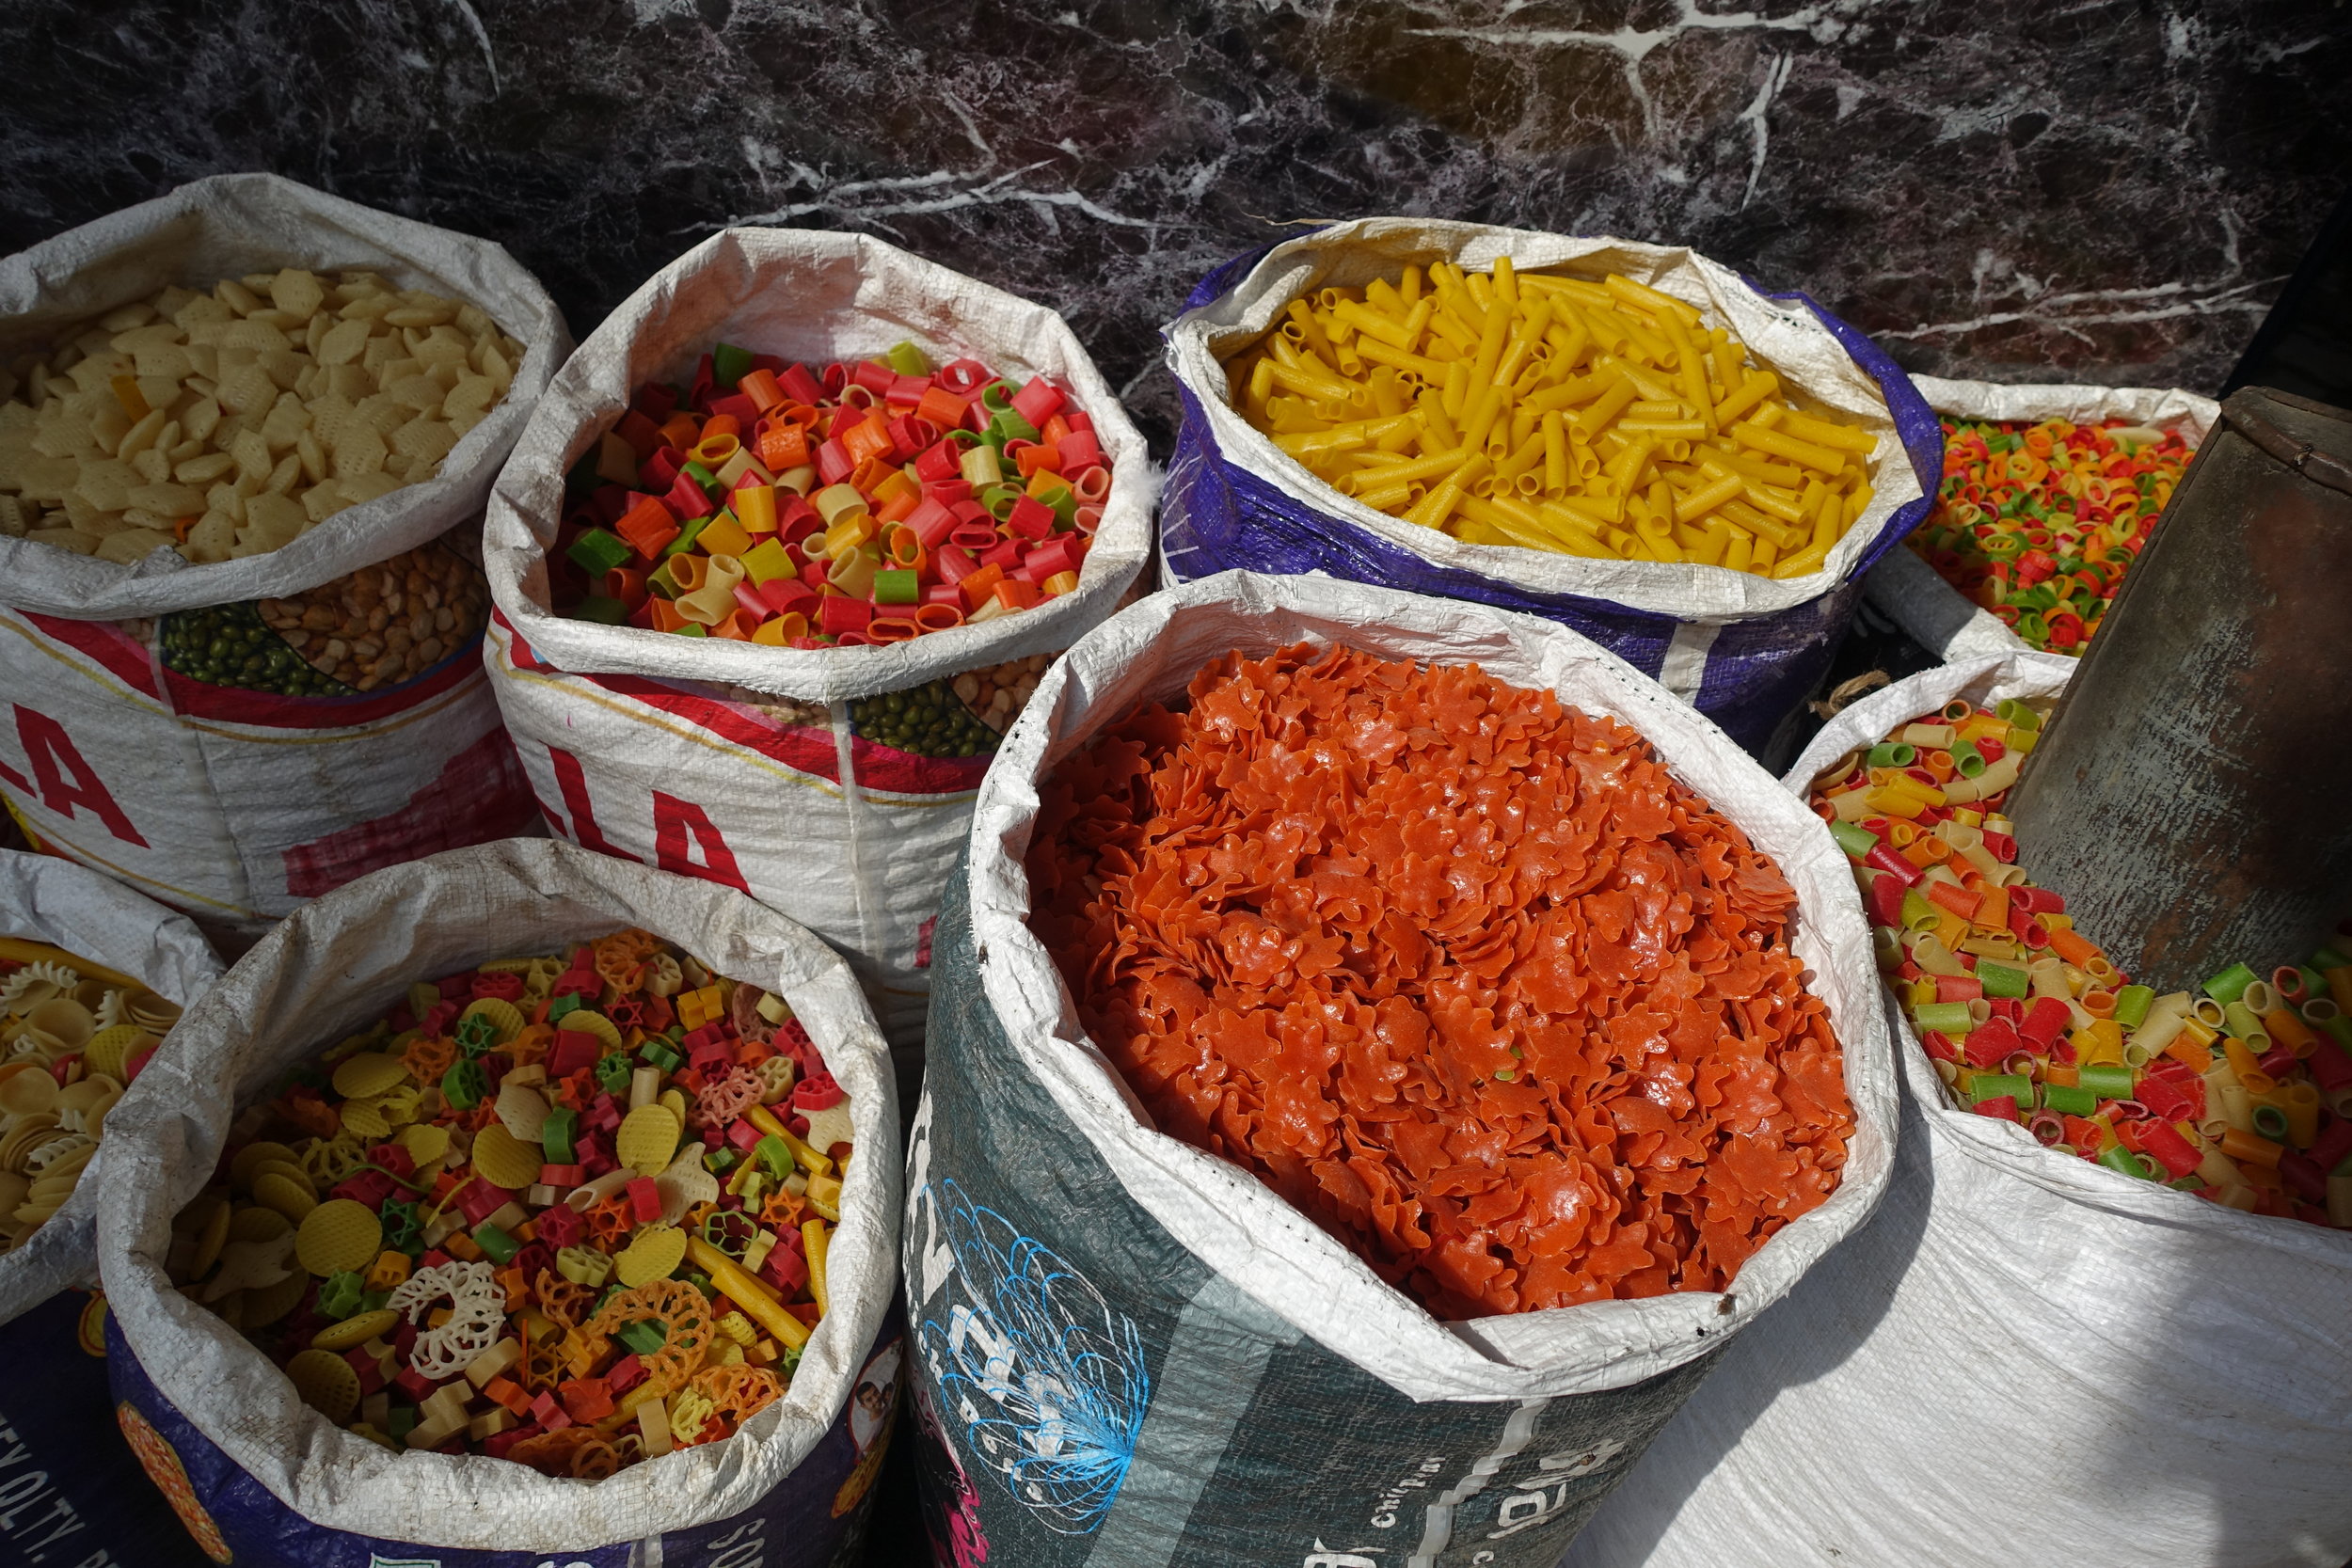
column 2192, row 794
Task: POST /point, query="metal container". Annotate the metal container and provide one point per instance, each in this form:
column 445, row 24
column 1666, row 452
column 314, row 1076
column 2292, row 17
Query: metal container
column 2192, row 794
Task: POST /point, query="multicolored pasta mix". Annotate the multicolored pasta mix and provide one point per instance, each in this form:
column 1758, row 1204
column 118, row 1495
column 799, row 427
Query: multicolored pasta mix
column 572, row 1212
column 2242, row 1094
column 1464, row 975
column 2038, row 522
column 844, row 506
column 1592, row 418
column 73, row 1036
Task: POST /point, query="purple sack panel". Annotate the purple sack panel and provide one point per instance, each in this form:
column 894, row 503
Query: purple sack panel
column 815, row 1517
column 1746, row 675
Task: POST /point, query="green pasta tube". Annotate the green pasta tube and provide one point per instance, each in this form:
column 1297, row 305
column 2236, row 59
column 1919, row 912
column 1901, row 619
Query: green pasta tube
column 1857, row 840
column 1966, row 760
column 2001, row 979
column 2228, row 986
column 1993, row 1086
column 2068, row 1102
column 1892, row 753
column 1945, row 1018
column 2106, row 1083
column 2131, row 1005
column 2239, row 1020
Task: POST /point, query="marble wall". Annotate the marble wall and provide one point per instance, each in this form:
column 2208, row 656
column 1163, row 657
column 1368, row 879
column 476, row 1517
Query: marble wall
column 2106, row 190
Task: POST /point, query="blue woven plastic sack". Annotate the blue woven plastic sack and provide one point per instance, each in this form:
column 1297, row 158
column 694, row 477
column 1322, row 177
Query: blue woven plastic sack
column 1746, row 653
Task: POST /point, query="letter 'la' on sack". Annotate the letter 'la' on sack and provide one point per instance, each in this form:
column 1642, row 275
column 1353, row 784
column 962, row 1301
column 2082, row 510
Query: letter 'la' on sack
column 1744, row 650
column 834, row 783
column 1129, row 1351
column 263, row 1479
column 236, row 737
column 1972, row 1333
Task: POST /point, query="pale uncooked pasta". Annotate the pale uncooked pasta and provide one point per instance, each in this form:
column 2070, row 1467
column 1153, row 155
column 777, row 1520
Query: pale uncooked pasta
column 228, row 423
column 72, row 1035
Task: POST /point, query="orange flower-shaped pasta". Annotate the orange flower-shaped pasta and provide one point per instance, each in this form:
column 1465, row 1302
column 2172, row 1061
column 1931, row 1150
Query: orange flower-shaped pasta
column 1464, row 975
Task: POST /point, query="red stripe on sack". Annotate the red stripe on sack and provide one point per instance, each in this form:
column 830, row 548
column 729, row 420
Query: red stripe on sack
column 800, row 747
column 897, row 772
column 479, row 795
column 115, row 650
column 230, row 705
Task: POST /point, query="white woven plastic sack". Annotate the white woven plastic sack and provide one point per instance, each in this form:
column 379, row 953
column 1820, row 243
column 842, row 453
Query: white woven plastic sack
column 2025, row 1358
column 42, row 899
column 283, row 1486
column 1132, row 1351
column 231, row 803
column 1937, row 615
column 744, row 763
column 1238, row 1226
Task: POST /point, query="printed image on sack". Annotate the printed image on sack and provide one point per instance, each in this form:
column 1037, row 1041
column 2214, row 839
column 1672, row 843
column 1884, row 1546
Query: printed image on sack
column 236, row 759
column 1035, row 1389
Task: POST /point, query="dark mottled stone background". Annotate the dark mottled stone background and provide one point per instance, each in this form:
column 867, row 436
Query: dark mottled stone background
column 2110, row 190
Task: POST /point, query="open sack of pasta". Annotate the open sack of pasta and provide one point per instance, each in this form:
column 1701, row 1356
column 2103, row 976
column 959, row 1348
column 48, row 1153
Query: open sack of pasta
column 1369, row 1088
column 783, row 553
column 519, row 1202
column 92, row 977
column 2048, row 496
column 1629, row 439
column 2108, row 1283
column 245, row 432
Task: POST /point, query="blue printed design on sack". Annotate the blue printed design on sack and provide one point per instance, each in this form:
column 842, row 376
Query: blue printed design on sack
column 1046, row 1376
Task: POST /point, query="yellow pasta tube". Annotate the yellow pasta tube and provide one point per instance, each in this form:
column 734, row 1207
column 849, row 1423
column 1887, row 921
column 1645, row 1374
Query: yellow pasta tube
column 1823, row 434
column 814, row 1234
column 1805, row 560
column 1699, row 502
column 1750, row 434
column 1490, row 342
column 1606, row 407
column 1438, row 504
column 747, row 1292
column 1366, row 319
column 1381, row 352
column 1691, row 372
column 1758, row 386
column 1327, row 389
column 1582, row 389
column 1555, row 453
column 1522, row 457
column 1642, row 297
column 1523, row 342
column 1436, row 422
